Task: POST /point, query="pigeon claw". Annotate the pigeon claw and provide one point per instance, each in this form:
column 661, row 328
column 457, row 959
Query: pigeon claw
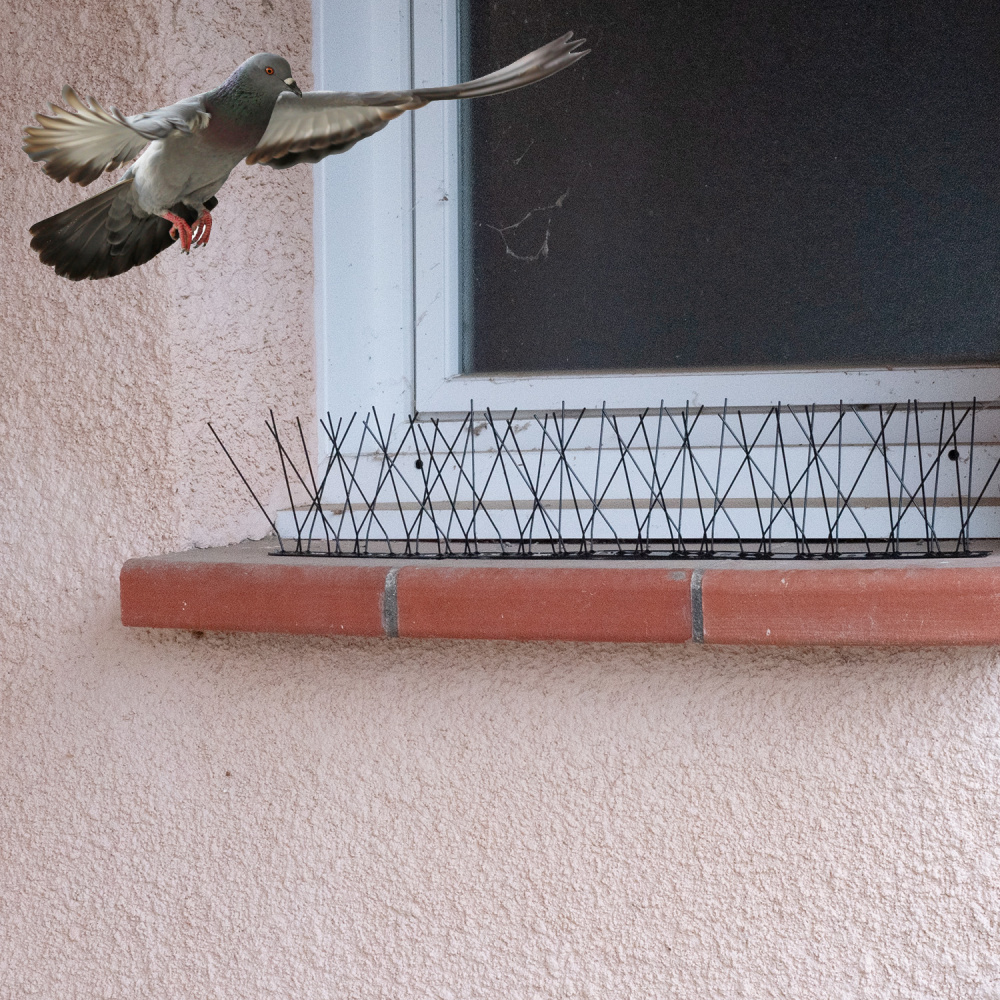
column 202, row 229
column 179, row 229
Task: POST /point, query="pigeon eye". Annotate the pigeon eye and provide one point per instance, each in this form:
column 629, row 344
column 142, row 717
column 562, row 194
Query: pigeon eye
column 269, row 70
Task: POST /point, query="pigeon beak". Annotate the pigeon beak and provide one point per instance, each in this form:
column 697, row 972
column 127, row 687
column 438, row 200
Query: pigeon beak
column 293, row 86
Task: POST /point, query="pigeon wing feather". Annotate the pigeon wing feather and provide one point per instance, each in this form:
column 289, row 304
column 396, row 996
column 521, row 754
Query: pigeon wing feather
column 83, row 139
column 307, row 128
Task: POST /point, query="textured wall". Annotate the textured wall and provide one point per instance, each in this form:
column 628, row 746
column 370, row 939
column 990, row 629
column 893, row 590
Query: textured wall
column 107, row 385
column 244, row 817
column 254, row 817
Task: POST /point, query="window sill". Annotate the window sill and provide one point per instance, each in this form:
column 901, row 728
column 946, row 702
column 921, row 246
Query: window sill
column 884, row 603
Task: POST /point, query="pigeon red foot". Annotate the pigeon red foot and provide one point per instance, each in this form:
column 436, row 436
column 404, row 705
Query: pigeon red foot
column 179, row 229
column 202, row 229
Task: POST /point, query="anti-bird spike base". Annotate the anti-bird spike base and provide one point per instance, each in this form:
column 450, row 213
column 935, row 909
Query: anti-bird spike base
column 182, row 155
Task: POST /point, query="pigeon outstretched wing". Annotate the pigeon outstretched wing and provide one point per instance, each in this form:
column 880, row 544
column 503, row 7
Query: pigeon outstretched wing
column 83, row 140
column 305, row 129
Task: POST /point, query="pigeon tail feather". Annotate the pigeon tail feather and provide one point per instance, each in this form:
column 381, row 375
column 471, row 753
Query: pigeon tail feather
column 105, row 235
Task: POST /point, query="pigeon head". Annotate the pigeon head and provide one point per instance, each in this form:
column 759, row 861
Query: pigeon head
column 267, row 74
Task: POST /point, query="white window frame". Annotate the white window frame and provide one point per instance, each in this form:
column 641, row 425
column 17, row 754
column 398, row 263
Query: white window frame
column 387, row 259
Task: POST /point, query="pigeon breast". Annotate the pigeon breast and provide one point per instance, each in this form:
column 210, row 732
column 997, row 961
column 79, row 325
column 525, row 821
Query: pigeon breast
column 239, row 116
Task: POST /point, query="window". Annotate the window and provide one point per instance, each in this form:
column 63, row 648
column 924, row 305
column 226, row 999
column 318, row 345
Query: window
column 728, row 186
column 403, row 264
column 391, row 251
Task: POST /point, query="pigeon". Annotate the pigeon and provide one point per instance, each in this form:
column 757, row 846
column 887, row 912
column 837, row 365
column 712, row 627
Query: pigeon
column 181, row 155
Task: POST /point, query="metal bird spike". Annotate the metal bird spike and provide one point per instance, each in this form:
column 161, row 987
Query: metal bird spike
column 781, row 482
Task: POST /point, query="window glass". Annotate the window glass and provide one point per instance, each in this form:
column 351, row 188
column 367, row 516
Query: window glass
column 721, row 185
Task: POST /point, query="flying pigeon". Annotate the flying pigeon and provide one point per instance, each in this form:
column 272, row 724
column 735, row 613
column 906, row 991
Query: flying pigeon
column 184, row 153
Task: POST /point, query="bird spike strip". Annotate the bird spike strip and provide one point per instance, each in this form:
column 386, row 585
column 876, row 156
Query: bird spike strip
column 800, row 482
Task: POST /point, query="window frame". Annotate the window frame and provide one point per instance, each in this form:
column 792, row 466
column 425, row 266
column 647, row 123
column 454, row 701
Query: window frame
column 388, row 270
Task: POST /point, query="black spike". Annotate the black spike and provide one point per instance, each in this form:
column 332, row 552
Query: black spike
column 772, row 466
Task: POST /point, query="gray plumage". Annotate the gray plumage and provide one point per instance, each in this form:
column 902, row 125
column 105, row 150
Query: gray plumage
column 184, row 153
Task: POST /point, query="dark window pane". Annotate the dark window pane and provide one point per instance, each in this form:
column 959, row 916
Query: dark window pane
column 723, row 185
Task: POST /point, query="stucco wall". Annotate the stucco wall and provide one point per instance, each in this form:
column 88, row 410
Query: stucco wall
column 245, row 817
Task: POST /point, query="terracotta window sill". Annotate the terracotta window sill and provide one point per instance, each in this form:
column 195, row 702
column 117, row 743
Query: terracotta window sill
column 885, row 603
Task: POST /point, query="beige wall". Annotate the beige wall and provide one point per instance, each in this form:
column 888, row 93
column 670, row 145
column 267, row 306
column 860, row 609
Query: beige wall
column 246, row 817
